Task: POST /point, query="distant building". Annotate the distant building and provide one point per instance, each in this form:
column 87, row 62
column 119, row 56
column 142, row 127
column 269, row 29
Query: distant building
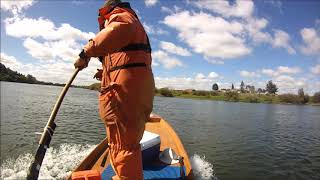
column 249, row 89
column 226, row 90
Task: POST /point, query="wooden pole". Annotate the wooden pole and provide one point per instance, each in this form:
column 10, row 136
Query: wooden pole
column 48, row 133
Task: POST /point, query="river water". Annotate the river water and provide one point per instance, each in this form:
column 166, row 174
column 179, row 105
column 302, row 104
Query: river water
column 224, row 140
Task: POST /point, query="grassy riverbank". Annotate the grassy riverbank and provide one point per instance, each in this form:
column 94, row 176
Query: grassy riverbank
column 242, row 97
column 234, row 96
column 6, row 74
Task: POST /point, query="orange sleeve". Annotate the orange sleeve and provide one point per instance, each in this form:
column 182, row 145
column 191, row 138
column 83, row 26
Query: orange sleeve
column 114, row 36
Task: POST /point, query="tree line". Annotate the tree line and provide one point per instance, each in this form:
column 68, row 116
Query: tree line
column 271, row 88
column 245, row 93
column 6, row 74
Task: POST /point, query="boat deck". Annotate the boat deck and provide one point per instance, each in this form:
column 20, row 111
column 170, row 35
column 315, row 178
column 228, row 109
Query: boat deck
column 98, row 159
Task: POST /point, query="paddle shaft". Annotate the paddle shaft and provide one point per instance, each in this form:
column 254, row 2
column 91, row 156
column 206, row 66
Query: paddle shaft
column 48, row 133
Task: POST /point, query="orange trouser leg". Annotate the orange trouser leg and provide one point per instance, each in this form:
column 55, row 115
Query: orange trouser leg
column 124, row 116
column 127, row 164
column 125, row 153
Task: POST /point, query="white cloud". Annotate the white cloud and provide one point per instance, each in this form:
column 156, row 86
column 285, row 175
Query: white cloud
column 56, row 72
column 78, row 2
column 161, row 57
column 288, row 70
column 154, row 63
column 43, row 28
column 281, row 70
column 255, row 28
column 55, row 46
column 44, row 40
column 241, row 12
column 244, row 11
column 166, row 10
column 315, row 69
column 226, row 37
column 275, row 3
column 214, row 61
column 209, row 77
column 152, row 30
column 248, row 74
column 311, row 39
column 10, row 61
column 239, row 9
column 61, row 72
column 268, row 72
column 148, row 28
column 199, row 81
column 217, row 38
column 200, row 76
column 38, row 50
column 175, row 82
column 16, row 7
column 281, row 76
column 285, row 83
column 213, row 75
column 31, row 27
column 172, row 48
column 282, row 39
column 66, row 50
column 288, row 84
column 150, row 3
column 185, row 83
column 284, row 78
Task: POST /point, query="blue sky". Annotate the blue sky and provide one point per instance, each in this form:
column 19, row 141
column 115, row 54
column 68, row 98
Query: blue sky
column 195, row 43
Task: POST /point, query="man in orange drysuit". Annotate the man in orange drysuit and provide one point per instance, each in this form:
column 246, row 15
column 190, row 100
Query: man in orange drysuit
column 127, row 84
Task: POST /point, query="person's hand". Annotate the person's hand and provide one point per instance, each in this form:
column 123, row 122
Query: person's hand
column 81, row 63
column 98, row 75
column 83, row 60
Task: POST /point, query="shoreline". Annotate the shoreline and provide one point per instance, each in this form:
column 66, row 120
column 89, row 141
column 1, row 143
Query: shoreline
column 245, row 98
column 220, row 98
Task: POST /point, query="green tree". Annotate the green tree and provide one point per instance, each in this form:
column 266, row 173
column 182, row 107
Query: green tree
column 242, row 86
column 232, row 86
column 301, row 92
column 215, row 87
column 166, row 92
column 316, row 97
column 271, row 88
column 303, row 98
column 6, row 74
column 95, row 86
column 31, row 79
column 231, row 96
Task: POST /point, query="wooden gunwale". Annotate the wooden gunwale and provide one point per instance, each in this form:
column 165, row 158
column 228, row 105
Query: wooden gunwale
column 157, row 125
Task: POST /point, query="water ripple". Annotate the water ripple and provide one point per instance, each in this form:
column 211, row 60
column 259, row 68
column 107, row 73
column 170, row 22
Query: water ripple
column 243, row 141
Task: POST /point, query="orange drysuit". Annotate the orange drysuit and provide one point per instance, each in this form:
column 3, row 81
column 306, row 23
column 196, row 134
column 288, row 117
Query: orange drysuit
column 127, row 92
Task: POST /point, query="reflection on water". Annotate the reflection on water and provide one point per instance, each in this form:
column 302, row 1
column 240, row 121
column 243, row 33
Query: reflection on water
column 238, row 140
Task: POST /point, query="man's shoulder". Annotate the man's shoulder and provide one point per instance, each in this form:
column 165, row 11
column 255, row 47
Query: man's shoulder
column 123, row 16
